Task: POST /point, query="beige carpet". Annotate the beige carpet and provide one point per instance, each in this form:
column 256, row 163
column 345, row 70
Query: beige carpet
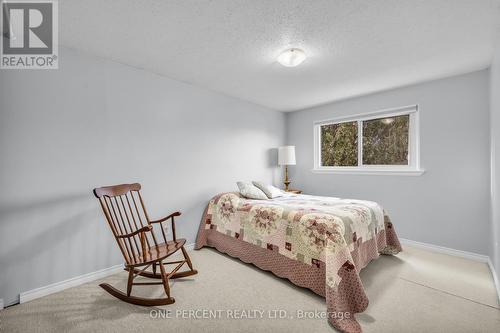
column 416, row 291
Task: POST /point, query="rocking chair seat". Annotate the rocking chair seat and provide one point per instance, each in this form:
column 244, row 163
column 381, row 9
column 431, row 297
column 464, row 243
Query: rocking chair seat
column 160, row 252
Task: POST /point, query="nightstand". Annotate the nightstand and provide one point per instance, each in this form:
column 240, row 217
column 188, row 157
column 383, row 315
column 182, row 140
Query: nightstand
column 294, row 191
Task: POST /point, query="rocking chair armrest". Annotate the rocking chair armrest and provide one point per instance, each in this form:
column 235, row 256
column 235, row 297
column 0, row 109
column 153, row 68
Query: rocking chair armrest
column 171, row 216
column 165, row 218
column 143, row 229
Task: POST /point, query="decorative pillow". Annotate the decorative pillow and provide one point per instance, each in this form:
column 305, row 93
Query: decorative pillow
column 270, row 191
column 248, row 190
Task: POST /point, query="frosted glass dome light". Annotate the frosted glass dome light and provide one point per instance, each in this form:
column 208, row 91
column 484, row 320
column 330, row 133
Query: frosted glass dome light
column 292, row 57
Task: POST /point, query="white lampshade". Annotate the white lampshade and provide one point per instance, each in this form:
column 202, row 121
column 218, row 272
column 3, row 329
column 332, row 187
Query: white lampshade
column 286, row 155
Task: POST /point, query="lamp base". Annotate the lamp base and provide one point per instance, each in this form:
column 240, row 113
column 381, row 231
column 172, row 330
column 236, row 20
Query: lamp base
column 287, row 181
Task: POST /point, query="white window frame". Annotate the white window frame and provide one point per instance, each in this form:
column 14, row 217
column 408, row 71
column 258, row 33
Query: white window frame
column 413, row 167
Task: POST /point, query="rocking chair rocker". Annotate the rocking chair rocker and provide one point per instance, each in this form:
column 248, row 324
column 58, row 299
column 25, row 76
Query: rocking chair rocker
column 136, row 239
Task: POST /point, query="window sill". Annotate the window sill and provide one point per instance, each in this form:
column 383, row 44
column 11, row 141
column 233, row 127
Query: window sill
column 369, row 171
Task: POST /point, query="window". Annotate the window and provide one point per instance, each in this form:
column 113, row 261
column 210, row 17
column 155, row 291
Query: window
column 383, row 142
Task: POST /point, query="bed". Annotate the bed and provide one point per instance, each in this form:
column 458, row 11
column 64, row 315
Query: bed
column 320, row 243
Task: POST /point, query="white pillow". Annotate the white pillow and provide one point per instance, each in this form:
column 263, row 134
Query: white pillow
column 269, row 190
column 248, row 190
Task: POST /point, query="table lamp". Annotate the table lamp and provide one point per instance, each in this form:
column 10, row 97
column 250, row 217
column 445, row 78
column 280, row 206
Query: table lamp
column 286, row 157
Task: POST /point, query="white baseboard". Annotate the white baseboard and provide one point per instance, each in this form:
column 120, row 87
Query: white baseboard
column 458, row 253
column 73, row 282
column 495, row 278
column 1, row 303
column 446, row 250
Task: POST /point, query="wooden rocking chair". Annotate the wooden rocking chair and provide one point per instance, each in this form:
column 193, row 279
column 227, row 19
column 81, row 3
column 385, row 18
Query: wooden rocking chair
column 133, row 230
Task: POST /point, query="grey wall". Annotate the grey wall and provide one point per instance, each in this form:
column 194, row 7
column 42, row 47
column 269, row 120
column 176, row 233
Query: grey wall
column 495, row 157
column 94, row 122
column 449, row 204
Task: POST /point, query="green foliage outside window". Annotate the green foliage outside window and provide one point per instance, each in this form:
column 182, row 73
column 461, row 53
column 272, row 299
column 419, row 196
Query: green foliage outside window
column 339, row 144
column 385, row 141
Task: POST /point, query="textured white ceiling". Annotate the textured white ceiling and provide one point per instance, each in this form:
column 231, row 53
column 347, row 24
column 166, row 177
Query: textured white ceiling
column 354, row 47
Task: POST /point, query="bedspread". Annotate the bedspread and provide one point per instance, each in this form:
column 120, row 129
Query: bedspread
column 317, row 242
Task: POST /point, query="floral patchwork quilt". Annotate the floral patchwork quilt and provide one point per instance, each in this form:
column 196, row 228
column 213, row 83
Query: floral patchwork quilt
column 331, row 236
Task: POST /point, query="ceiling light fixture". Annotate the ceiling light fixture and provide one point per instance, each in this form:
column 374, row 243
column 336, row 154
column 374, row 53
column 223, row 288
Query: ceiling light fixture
column 292, row 57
